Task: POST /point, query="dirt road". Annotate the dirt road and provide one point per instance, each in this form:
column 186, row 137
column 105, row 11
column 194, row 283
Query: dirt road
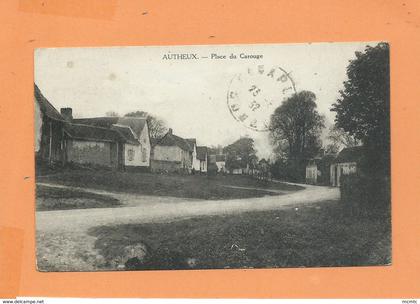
column 145, row 209
column 63, row 243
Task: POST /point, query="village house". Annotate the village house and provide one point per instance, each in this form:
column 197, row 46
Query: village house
column 94, row 146
column 345, row 163
column 172, row 154
column 202, row 156
column 136, row 148
column 116, row 143
column 49, row 132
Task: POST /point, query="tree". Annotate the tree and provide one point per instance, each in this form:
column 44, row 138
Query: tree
column 363, row 107
column 157, row 127
column 111, row 114
column 240, row 153
column 338, row 139
column 295, row 130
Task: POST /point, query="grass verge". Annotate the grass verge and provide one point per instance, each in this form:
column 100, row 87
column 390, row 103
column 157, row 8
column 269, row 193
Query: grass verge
column 50, row 198
column 310, row 236
column 186, row 186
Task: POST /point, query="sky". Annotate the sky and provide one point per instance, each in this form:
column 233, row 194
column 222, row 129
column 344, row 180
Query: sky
column 190, row 95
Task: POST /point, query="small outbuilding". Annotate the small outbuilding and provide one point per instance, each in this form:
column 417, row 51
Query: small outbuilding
column 345, row 163
column 172, row 154
column 318, row 170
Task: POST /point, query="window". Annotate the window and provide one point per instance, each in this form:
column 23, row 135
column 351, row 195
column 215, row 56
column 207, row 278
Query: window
column 144, row 155
column 130, row 154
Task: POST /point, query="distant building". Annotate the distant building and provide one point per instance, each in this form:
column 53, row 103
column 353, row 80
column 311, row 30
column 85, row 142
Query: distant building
column 202, row 156
column 318, row 170
column 172, row 154
column 221, row 162
column 312, row 171
column 345, row 163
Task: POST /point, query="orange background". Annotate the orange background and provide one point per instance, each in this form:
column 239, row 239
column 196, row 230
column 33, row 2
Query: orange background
column 28, row 24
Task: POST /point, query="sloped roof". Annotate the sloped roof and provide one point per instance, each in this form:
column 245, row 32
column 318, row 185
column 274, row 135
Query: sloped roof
column 192, row 142
column 173, row 140
column 87, row 132
column 154, row 141
column 103, row 122
column 325, row 160
column 127, row 133
column 135, row 123
column 352, row 154
column 46, row 107
column 201, row 152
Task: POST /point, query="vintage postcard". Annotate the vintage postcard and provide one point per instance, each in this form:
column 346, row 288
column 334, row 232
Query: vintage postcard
column 212, row 157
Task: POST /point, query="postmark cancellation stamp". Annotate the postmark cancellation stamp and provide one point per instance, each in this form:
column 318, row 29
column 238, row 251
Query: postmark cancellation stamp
column 254, row 95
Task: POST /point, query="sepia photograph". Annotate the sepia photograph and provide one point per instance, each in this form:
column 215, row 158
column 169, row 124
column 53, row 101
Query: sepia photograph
column 212, row 156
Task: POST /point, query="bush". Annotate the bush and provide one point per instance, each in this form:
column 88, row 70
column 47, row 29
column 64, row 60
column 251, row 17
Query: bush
column 289, row 170
column 365, row 195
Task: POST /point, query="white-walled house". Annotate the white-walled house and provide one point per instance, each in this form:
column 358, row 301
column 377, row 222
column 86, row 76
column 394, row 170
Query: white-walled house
column 137, row 147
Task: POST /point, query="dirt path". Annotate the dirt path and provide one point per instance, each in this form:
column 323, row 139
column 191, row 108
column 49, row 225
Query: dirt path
column 64, row 245
column 145, row 209
column 259, row 189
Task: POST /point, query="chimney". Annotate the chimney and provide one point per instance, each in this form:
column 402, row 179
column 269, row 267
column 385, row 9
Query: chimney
column 170, row 131
column 67, row 113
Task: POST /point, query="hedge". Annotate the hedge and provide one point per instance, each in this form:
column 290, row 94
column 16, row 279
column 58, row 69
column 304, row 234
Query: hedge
column 362, row 194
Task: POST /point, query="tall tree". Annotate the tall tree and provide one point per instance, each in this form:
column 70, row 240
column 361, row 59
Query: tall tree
column 295, row 130
column 363, row 107
column 240, row 153
column 296, row 126
column 157, row 127
column 338, row 139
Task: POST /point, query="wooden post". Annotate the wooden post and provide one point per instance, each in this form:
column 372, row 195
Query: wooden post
column 63, row 148
column 118, row 156
column 50, row 150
